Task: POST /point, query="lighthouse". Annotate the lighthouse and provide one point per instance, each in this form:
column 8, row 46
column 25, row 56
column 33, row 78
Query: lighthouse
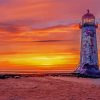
column 89, row 53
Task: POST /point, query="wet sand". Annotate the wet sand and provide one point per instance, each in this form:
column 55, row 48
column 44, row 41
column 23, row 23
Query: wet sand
column 49, row 88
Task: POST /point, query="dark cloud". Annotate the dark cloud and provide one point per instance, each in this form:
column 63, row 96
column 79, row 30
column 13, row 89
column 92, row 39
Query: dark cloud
column 51, row 41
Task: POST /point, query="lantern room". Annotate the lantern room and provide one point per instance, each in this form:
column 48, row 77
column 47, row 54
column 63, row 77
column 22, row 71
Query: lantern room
column 88, row 18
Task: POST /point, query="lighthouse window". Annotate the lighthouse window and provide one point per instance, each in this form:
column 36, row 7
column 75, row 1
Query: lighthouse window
column 91, row 20
column 87, row 20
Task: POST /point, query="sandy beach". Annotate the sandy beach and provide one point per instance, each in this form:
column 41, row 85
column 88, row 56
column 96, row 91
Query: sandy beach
column 49, row 88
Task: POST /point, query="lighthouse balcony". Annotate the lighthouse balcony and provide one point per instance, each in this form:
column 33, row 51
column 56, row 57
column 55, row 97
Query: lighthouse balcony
column 88, row 25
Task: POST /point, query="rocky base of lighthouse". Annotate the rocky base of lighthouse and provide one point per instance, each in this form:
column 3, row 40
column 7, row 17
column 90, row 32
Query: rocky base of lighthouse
column 88, row 71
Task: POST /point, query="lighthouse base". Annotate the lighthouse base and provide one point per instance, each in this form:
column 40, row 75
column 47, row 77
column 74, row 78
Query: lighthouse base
column 90, row 71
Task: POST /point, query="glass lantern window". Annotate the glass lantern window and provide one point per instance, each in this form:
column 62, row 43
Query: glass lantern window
column 88, row 20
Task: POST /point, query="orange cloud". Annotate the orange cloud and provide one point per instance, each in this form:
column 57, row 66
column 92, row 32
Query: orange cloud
column 42, row 48
column 50, row 48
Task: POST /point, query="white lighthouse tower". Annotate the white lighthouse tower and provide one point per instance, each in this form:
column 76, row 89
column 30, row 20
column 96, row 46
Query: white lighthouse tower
column 89, row 54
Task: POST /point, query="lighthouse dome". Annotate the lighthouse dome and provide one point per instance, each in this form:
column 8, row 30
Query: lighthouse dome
column 88, row 15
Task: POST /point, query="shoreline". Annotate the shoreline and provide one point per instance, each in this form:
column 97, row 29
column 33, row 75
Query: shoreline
column 37, row 74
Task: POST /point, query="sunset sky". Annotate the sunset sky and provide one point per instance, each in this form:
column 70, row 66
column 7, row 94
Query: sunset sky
column 42, row 34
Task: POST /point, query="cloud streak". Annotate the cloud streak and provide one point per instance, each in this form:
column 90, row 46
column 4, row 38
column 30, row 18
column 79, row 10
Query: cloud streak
column 51, row 41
